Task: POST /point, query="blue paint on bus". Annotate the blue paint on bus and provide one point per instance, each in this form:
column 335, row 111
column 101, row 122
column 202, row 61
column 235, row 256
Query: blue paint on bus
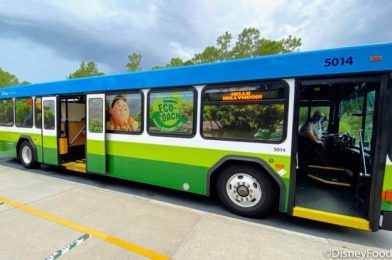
column 349, row 60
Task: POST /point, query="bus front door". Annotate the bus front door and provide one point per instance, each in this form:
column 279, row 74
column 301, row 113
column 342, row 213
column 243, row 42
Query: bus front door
column 96, row 141
column 49, row 131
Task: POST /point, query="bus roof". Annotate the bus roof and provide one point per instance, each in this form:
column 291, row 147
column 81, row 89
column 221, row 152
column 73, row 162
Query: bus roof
column 300, row 64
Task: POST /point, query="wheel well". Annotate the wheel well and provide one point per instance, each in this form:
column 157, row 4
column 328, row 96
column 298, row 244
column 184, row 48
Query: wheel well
column 20, row 141
column 216, row 171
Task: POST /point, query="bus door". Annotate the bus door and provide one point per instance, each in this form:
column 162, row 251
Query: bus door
column 49, row 130
column 338, row 176
column 96, row 141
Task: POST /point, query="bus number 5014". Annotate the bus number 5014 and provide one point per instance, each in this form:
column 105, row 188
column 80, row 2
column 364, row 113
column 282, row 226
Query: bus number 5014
column 338, row 61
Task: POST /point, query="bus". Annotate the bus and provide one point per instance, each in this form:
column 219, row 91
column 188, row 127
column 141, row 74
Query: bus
column 231, row 129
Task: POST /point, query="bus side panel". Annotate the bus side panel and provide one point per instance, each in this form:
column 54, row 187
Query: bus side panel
column 9, row 141
column 177, row 167
column 387, row 186
column 95, row 156
column 50, row 150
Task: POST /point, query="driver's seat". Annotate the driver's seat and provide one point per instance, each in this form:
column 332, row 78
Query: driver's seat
column 313, row 165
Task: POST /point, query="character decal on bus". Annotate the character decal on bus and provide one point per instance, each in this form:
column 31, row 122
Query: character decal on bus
column 120, row 118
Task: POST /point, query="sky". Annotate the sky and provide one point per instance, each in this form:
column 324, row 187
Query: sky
column 45, row 40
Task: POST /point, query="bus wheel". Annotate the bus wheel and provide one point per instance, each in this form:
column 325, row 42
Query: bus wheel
column 26, row 155
column 246, row 191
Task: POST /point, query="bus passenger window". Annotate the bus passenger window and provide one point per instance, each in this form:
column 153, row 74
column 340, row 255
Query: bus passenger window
column 171, row 113
column 124, row 113
column 6, row 112
column 254, row 111
column 24, row 112
column 38, row 112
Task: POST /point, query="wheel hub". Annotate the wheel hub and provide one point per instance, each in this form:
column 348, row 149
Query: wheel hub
column 243, row 191
column 27, row 155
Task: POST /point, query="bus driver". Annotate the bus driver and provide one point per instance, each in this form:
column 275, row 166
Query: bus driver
column 311, row 135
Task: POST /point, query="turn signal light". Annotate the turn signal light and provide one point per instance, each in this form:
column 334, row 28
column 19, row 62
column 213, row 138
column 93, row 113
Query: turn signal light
column 279, row 165
column 375, row 58
column 387, row 195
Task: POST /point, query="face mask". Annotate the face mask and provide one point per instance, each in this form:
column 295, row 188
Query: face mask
column 317, row 119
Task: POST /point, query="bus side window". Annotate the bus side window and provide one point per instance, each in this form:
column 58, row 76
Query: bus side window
column 38, row 112
column 249, row 112
column 124, row 113
column 24, row 112
column 6, row 112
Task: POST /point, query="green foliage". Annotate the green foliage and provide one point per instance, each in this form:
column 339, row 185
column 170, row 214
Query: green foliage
column 95, row 115
column 134, row 62
column 49, row 117
column 249, row 43
column 86, row 70
column 24, row 112
column 244, row 121
column 7, row 79
column 6, row 113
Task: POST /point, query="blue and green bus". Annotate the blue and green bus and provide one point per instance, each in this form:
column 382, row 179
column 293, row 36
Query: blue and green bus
column 231, row 129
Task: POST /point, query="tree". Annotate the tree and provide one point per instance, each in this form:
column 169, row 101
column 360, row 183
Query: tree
column 8, row 79
column 249, row 43
column 134, row 61
column 86, row 70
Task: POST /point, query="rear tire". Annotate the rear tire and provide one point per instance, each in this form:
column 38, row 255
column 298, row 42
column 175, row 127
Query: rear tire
column 27, row 155
column 246, row 190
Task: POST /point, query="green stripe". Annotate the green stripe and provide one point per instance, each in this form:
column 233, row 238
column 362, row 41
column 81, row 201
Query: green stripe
column 387, row 185
column 8, row 141
column 50, row 156
column 386, row 206
column 166, row 174
column 8, row 148
column 187, row 155
column 96, row 163
column 96, row 159
column 96, row 147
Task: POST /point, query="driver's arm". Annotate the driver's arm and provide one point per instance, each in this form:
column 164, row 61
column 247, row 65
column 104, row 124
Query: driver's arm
column 311, row 136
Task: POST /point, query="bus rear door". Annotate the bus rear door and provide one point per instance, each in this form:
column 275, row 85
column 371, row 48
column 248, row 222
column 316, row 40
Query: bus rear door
column 96, row 142
column 50, row 130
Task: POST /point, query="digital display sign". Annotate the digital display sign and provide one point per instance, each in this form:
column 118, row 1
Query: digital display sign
column 242, row 96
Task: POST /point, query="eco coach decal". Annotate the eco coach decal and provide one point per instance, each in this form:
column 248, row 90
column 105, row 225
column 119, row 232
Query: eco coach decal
column 171, row 112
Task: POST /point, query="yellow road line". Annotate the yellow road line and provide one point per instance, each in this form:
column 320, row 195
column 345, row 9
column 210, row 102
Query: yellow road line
column 108, row 238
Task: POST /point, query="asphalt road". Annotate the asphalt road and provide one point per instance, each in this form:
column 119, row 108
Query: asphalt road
column 380, row 239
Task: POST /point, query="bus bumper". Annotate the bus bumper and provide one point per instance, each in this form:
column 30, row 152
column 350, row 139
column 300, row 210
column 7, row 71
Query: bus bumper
column 386, row 220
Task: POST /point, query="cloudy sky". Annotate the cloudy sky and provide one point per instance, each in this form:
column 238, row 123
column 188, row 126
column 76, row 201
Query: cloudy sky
column 45, row 40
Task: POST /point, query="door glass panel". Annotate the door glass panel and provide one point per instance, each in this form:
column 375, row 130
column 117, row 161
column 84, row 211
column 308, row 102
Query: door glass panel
column 351, row 116
column 49, row 114
column 95, row 111
column 370, row 100
column 303, row 116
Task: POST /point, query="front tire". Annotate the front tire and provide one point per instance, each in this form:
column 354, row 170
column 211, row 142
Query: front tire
column 246, row 190
column 27, row 155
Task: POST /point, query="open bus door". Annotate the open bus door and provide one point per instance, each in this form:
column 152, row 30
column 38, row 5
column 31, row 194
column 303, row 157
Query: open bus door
column 96, row 135
column 347, row 189
column 50, row 130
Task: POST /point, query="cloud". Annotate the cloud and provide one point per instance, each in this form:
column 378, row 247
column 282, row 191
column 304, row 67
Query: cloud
column 106, row 31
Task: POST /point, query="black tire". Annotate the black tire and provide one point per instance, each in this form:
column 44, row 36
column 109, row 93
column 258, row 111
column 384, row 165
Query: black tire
column 267, row 187
column 26, row 163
